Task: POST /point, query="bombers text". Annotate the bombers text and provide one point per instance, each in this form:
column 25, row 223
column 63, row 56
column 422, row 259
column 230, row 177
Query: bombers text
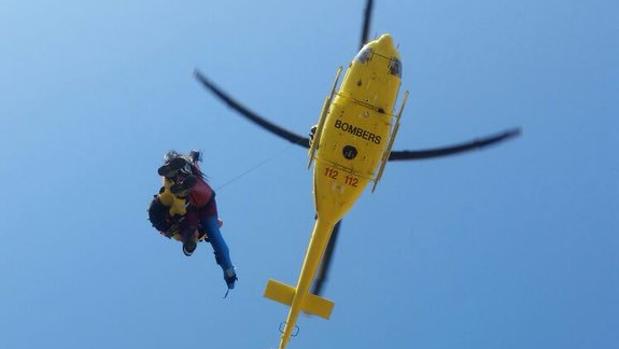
column 357, row 131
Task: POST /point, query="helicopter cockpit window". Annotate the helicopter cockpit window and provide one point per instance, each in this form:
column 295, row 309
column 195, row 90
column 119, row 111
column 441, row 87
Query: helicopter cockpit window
column 365, row 55
column 395, row 67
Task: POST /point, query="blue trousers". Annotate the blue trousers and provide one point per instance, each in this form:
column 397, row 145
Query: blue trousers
column 222, row 254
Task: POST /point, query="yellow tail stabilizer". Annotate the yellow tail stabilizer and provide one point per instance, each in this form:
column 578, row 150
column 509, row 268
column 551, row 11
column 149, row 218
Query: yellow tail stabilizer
column 312, row 304
column 279, row 292
column 316, row 305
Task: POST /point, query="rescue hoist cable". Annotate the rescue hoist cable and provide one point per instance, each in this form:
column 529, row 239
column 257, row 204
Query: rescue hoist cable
column 255, row 167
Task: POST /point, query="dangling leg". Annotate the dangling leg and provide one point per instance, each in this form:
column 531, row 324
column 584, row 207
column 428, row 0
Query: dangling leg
column 222, row 254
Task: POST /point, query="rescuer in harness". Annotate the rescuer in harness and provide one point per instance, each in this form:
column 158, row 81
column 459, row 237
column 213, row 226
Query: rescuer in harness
column 185, row 209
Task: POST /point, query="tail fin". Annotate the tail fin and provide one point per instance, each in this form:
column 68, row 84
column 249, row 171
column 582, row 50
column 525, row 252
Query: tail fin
column 312, row 304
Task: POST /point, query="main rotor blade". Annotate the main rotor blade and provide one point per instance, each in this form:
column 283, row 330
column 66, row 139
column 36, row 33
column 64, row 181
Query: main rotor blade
column 252, row 116
column 475, row 144
column 326, row 262
column 367, row 17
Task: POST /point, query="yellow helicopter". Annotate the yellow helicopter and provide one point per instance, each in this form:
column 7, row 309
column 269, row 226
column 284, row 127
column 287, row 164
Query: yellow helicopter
column 351, row 145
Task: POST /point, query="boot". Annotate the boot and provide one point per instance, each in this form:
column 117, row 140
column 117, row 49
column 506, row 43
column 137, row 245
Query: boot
column 189, row 247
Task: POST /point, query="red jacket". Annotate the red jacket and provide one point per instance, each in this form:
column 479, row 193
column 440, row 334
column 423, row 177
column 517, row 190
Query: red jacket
column 202, row 199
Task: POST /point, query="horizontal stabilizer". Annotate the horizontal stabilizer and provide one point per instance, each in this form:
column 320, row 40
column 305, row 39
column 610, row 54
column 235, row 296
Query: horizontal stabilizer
column 312, row 304
column 316, row 305
column 279, row 292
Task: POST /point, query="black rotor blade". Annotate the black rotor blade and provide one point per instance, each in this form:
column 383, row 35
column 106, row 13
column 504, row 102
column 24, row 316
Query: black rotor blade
column 367, row 17
column 247, row 113
column 475, row 144
column 326, row 262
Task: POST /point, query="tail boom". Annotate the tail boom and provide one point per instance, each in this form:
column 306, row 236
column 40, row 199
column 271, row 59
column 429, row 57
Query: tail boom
column 299, row 298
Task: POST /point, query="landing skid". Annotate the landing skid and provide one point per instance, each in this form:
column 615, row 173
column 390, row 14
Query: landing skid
column 387, row 152
column 323, row 117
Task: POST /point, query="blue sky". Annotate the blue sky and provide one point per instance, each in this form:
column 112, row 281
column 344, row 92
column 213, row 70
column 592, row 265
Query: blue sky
column 512, row 247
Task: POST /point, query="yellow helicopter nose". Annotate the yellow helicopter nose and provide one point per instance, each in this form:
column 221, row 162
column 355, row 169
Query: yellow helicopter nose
column 385, row 39
column 385, row 46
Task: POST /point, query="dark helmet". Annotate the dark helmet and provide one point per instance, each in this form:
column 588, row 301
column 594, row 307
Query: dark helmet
column 174, row 163
column 158, row 215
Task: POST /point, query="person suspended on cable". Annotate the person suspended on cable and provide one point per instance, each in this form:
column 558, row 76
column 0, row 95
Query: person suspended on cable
column 185, row 209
